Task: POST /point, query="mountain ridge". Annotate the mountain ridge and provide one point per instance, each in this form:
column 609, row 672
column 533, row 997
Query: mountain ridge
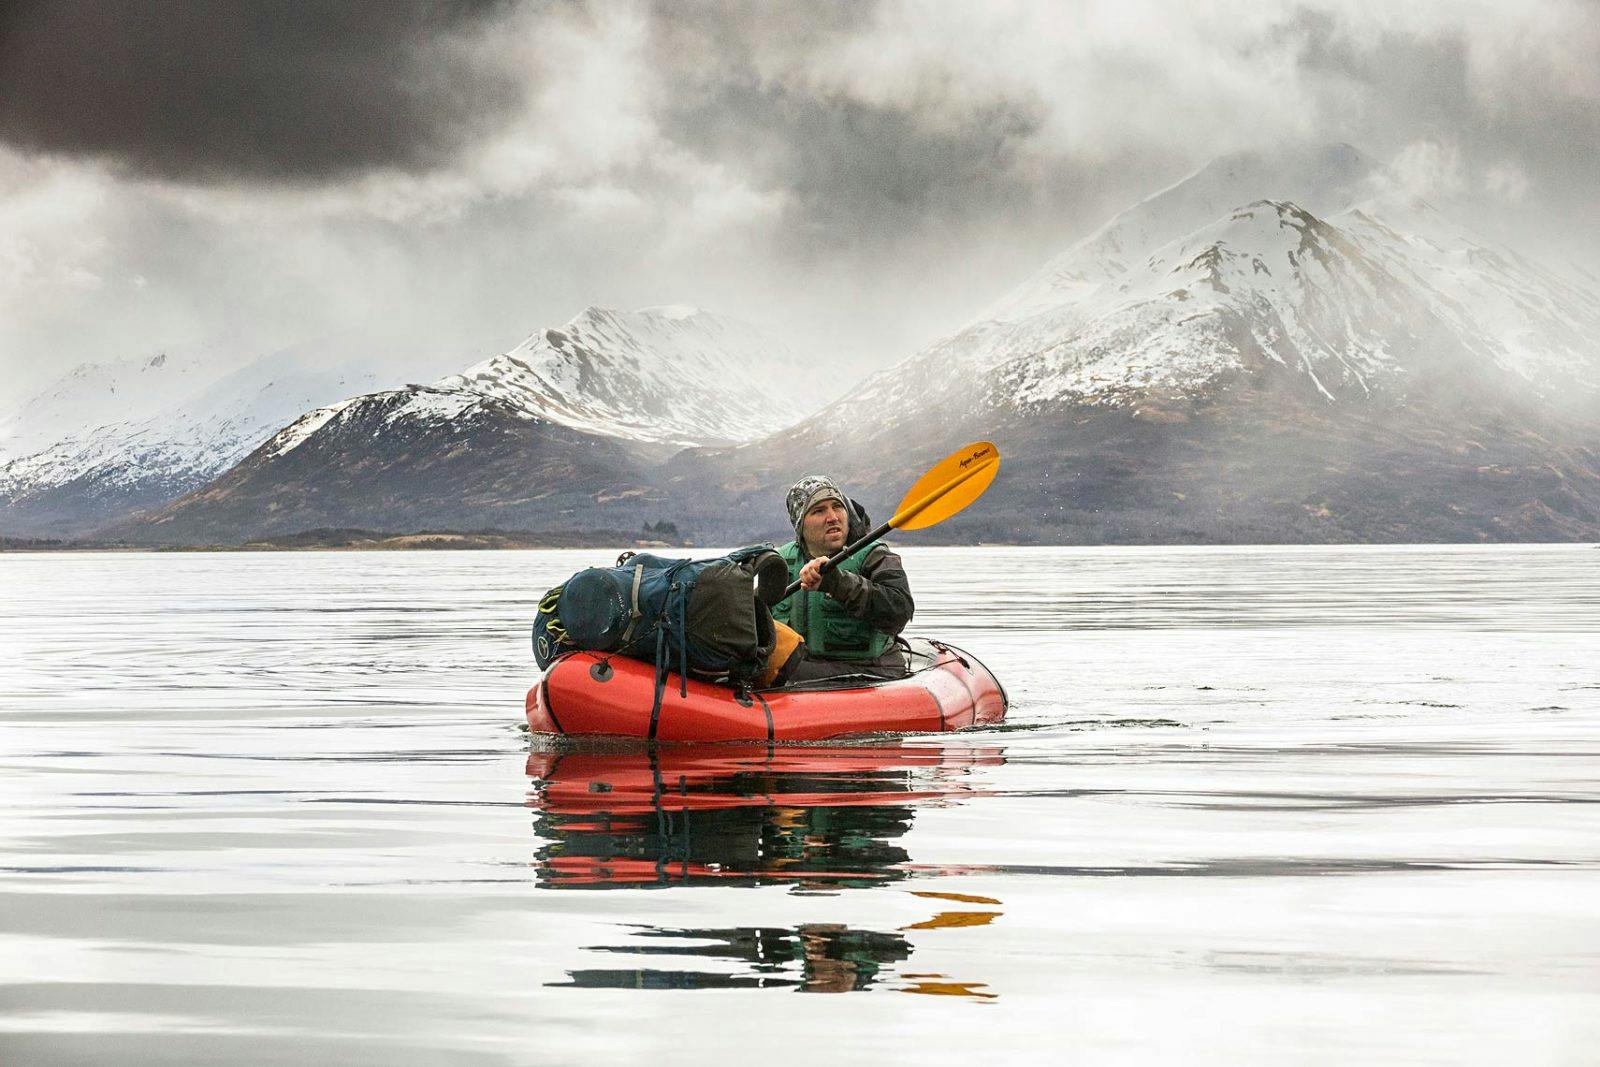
column 553, row 431
column 169, row 441
column 1372, row 371
column 1270, row 375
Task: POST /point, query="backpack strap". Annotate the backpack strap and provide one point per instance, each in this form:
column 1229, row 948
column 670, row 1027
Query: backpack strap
column 636, row 615
column 664, row 625
column 660, row 680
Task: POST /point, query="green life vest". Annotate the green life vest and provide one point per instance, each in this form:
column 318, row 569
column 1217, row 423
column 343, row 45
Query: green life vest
column 830, row 631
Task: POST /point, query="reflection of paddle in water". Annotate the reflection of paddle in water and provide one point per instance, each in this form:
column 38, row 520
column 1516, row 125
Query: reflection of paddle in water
column 809, row 817
column 948, row 919
column 939, row 985
column 809, row 958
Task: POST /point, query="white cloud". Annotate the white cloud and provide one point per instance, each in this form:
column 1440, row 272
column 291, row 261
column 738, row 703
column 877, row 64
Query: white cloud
column 1430, row 170
column 1106, row 76
column 1508, row 181
column 53, row 222
column 1503, row 38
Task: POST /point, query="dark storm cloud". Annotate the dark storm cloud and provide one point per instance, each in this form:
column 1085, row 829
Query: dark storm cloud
column 858, row 173
column 855, row 168
column 852, row 168
column 259, row 89
column 708, row 35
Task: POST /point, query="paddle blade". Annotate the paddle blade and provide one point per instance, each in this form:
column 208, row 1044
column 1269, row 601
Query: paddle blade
column 952, row 484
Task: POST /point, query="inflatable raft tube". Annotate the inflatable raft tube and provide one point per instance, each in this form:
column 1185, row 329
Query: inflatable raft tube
column 587, row 693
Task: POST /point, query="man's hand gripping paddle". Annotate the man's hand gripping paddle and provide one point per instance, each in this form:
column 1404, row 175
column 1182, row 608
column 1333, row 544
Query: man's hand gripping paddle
column 948, row 487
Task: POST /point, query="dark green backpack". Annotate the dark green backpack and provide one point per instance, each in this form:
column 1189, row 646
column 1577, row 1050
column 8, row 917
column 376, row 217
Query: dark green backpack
column 709, row 617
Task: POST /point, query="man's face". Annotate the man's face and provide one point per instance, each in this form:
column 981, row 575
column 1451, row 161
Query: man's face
column 824, row 527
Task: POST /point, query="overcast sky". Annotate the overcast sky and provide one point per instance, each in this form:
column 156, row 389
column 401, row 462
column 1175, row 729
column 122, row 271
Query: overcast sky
column 859, row 177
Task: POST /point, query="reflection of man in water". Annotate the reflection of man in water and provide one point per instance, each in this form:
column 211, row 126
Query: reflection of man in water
column 838, row 959
column 832, row 958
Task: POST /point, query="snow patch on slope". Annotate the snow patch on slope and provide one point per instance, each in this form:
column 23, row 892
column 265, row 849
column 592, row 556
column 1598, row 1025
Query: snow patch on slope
column 296, row 433
column 435, row 404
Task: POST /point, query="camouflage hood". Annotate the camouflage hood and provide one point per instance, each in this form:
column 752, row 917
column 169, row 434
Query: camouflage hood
column 814, row 487
column 805, row 493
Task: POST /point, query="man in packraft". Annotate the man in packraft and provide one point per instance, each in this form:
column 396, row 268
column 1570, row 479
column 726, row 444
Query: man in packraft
column 850, row 614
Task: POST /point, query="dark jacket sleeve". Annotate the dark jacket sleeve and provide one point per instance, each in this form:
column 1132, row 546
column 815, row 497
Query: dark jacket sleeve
column 880, row 593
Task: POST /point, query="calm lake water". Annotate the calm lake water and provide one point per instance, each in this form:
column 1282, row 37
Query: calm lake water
column 1303, row 805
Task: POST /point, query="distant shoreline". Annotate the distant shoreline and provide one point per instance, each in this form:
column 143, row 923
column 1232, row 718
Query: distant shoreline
column 367, row 541
column 456, row 541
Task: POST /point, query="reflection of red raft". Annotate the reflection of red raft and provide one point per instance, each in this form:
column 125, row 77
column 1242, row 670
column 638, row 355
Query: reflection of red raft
column 587, row 693
column 751, row 776
column 741, row 813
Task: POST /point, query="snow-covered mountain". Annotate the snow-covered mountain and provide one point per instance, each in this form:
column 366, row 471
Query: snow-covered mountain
column 569, row 420
column 178, row 431
column 672, row 374
column 661, row 375
column 1353, row 293
column 1364, row 304
column 1253, row 365
column 1324, row 178
column 1358, row 308
column 108, row 439
column 1281, row 347
column 91, row 395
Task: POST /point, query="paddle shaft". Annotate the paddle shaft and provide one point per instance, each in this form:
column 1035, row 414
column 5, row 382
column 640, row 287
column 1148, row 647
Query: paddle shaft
column 833, row 560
